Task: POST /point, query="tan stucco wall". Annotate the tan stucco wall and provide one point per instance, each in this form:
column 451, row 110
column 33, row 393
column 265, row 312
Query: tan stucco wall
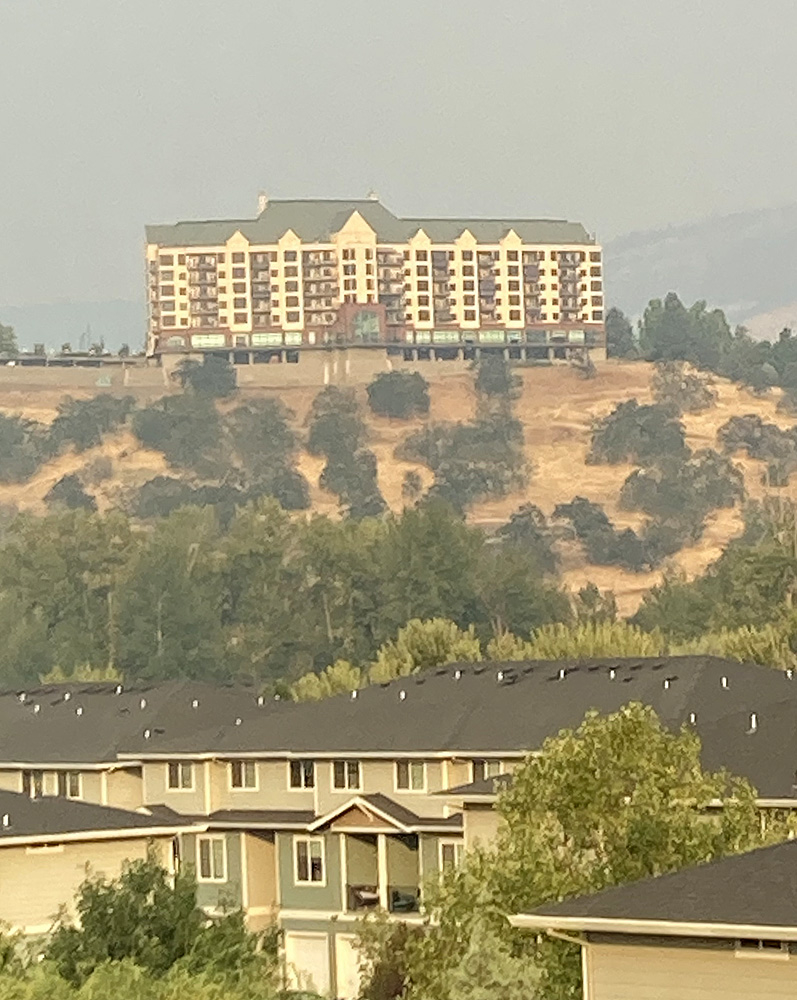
column 261, row 873
column 155, row 791
column 480, row 826
column 35, row 883
column 619, row 972
column 125, row 788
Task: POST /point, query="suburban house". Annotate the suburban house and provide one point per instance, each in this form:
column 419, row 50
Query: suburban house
column 313, row 814
column 720, row 931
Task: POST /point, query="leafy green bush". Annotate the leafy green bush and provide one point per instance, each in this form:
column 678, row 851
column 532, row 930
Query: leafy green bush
column 84, row 422
column 633, row 433
column 336, row 427
column 213, row 378
column 705, row 482
column 494, row 377
column 353, row 479
column 686, row 391
column 399, row 394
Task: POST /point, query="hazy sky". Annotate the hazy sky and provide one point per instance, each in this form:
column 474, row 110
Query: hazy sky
column 624, row 114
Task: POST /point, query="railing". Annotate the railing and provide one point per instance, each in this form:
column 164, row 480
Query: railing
column 362, row 897
column 403, row 898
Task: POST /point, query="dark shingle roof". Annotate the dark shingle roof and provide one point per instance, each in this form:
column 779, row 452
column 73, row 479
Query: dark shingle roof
column 314, row 220
column 758, row 888
column 512, row 707
column 48, row 816
column 486, row 788
column 406, row 817
column 88, row 722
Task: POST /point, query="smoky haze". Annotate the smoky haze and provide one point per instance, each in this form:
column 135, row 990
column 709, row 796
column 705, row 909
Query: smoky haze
column 623, row 114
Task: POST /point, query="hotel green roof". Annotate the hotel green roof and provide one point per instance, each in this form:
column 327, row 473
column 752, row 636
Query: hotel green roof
column 316, row 220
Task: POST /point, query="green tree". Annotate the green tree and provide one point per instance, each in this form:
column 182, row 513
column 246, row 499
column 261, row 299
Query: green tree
column 23, row 448
column 147, row 917
column 634, row 433
column 675, row 385
column 337, row 679
column 84, row 422
column 620, row 339
column 423, row 644
column 399, row 394
column 620, row 798
column 188, row 431
column 69, row 493
column 494, row 377
column 591, row 639
column 212, row 378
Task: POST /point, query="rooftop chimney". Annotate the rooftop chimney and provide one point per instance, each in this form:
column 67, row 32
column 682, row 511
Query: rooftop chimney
column 262, row 202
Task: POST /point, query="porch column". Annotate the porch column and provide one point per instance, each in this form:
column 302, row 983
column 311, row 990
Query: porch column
column 344, row 872
column 381, row 867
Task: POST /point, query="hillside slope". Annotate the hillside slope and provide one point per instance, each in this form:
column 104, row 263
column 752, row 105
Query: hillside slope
column 557, row 409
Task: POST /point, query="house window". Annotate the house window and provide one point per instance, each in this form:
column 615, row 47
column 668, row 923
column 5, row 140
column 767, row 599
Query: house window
column 410, row 776
column 33, row 784
column 481, row 769
column 180, row 776
column 211, row 859
column 70, row 785
column 451, row 852
column 346, row 774
column 308, row 856
column 243, row 774
column 301, row 773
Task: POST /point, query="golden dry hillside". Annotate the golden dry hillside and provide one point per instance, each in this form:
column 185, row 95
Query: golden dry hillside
column 557, row 409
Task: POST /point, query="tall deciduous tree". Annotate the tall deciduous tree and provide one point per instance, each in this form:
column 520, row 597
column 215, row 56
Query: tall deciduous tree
column 620, row 339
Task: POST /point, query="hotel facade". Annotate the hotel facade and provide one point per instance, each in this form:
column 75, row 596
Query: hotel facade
column 315, row 274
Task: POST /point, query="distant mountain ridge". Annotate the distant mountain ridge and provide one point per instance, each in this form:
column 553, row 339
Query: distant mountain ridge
column 745, row 263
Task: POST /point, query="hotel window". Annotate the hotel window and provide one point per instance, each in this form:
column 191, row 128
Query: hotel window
column 595, row 272
column 70, row 785
column 514, row 314
column 595, row 286
column 308, row 860
column 167, row 275
column 239, row 287
column 240, row 318
column 292, row 317
column 222, row 274
column 180, row 776
column 469, row 286
column 468, row 269
column 595, row 255
column 421, row 255
column 423, row 286
column 423, row 314
column 291, row 300
column 239, row 258
column 290, row 255
column 451, row 852
column 168, row 306
column 243, row 774
column 410, row 776
column 469, row 300
column 169, row 321
column 597, row 300
column 514, row 300
column 423, row 300
column 211, row 859
column 239, row 303
column 349, row 268
column 512, row 255
column 469, row 315
column 513, row 286
column 166, row 260
column 181, row 259
column 467, row 255
column 301, row 774
column 597, row 316
column 239, row 272
column 346, row 774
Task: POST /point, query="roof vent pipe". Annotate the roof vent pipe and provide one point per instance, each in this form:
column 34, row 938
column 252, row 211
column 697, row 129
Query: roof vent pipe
column 753, row 722
column 261, row 700
column 402, row 695
column 37, row 709
column 195, row 703
column 724, row 682
column 693, row 717
column 666, row 683
column 238, row 722
column 612, row 674
column 457, row 674
column 147, row 734
column 6, row 821
column 262, row 202
column 500, row 675
column 67, row 696
column 79, row 710
column 143, row 703
column 790, row 673
column 562, row 673
column 118, row 689
column 22, row 697
column 353, row 695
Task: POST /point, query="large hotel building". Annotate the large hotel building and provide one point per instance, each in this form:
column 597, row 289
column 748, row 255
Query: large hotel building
column 310, row 274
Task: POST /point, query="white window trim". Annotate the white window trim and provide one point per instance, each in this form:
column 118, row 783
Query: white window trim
column 300, row 788
column 181, row 764
column 211, row 839
column 348, row 788
column 304, row 838
column 781, row 955
column 410, row 790
column 67, row 776
column 243, row 788
column 459, row 847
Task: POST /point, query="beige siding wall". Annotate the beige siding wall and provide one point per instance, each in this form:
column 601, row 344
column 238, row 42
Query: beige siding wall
column 10, row 781
column 480, row 825
column 35, row 883
column 261, row 874
column 156, row 791
column 125, row 789
column 619, row 972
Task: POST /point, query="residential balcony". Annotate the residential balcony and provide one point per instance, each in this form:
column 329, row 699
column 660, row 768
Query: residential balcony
column 382, row 871
column 201, row 277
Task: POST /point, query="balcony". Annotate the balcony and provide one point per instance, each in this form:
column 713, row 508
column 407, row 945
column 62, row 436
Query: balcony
column 382, row 871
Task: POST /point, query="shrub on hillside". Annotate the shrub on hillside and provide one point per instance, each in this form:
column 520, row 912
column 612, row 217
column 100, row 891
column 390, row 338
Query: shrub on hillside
column 22, row 448
column 633, row 433
column 68, row 492
column 335, row 423
column 353, row 480
column 83, row 422
column 399, row 394
column 188, row 431
column 685, row 390
column 494, row 377
column 705, row 482
column 603, row 544
column 213, row 378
